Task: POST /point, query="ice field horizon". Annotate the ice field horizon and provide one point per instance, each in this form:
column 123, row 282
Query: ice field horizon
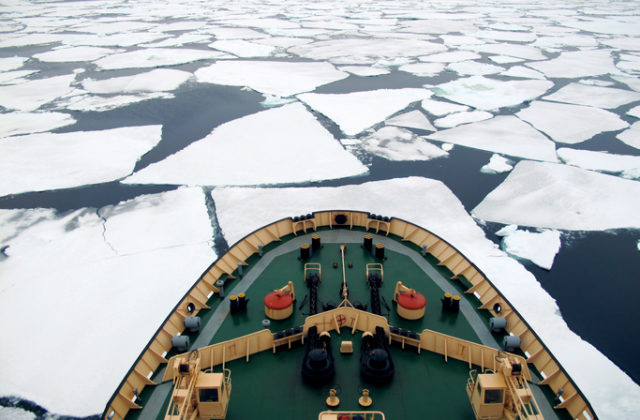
column 139, row 140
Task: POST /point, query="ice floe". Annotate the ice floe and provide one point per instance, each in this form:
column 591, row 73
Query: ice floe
column 126, row 262
column 538, row 247
column 12, row 63
column 15, row 413
column 365, row 51
column 32, row 94
column 113, row 40
column 87, row 102
column 597, row 96
column 15, row 77
column 629, row 63
column 271, row 77
column 156, row 57
column 242, row 48
column 180, row 41
column 68, row 54
column 450, row 57
column 411, row 119
column 634, row 112
column 489, row 94
column 549, row 195
column 505, row 59
column 577, row 64
column 422, row 69
column 627, row 166
column 236, row 33
column 497, row 164
column 393, row 143
column 440, row 108
column 503, row 134
column 574, row 40
column 448, row 219
column 455, row 119
column 46, row 161
column 474, row 68
column 526, row 52
column 605, row 26
column 631, row 136
column 15, row 123
column 626, row 43
column 277, row 146
column 566, row 123
column 30, row 39
column 632, row 82
column 354, row 112
column 523, row 72
column 365, row 71
column 506, row 35
column 157, row 80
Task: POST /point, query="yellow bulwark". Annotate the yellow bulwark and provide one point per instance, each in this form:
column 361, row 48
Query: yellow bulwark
column 461, row 268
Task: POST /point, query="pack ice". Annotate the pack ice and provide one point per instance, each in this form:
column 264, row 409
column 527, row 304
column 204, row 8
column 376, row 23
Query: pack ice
column 398, row 144
column 277, row 146
column 550, row 195
column 538, row 247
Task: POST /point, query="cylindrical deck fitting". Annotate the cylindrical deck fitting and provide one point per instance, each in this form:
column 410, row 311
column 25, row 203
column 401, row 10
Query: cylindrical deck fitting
column 315, row 242
column 278, row 305
column 379, row 251
column 367, row 242
column 411, row 305
column 446, row 302
column 455, row 304
column 304, row 252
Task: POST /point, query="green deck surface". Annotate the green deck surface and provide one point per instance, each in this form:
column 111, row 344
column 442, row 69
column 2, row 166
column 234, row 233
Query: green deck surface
column 270, row 386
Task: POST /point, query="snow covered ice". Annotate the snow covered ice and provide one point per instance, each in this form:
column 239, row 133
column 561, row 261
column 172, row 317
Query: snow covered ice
column 631, row 136
column 489, row 94
column 156, row 57
column 497, row 164
column 271, row 77
column 262, row 148
column 596, row 96
column 571, row 124
column 600, row 161
column 14, row 123
column 504, row 134
column 355, row 112
column 143, row 248
column 538, row 247
column 46, row 161
column 153, row 81
column 411, row 119
column 549, row 195
column 32, row 94
column 395, row 143
column 577, row 64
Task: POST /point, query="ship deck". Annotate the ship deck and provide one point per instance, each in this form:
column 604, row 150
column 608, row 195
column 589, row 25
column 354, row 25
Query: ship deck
column 270, row 385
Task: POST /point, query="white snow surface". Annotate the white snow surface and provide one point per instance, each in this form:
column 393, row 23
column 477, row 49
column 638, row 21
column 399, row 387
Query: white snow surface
column 355, row 112
column 596, row 96
column 141, row 253
column 634, row 112
column 455, row 119
column 450, row 57
column 242, row 210
column 549, row 195
column 276, row 146
column 503, row 134
column 393, row 143
column 631, row 136
column 440, row 108
column 158, row 80
column 271, row 77
column 156, row 57
column 365, row 51
column 468, row 68
column 15, row 413
column 497, row 164
column 523, row 72
column 87, row 102
column 411, row 119
column 365, row 71
column 12, row 63
column 540, row 248
column 15, row 123
column 523, row 51
column 243, row 48
column 571, row 124
column 32, row 94
column 504, row 59
column 600, row 161
column 423, row 69
column 489, row 94
column 46, row 161
column 67, row 54
column 577, row 64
